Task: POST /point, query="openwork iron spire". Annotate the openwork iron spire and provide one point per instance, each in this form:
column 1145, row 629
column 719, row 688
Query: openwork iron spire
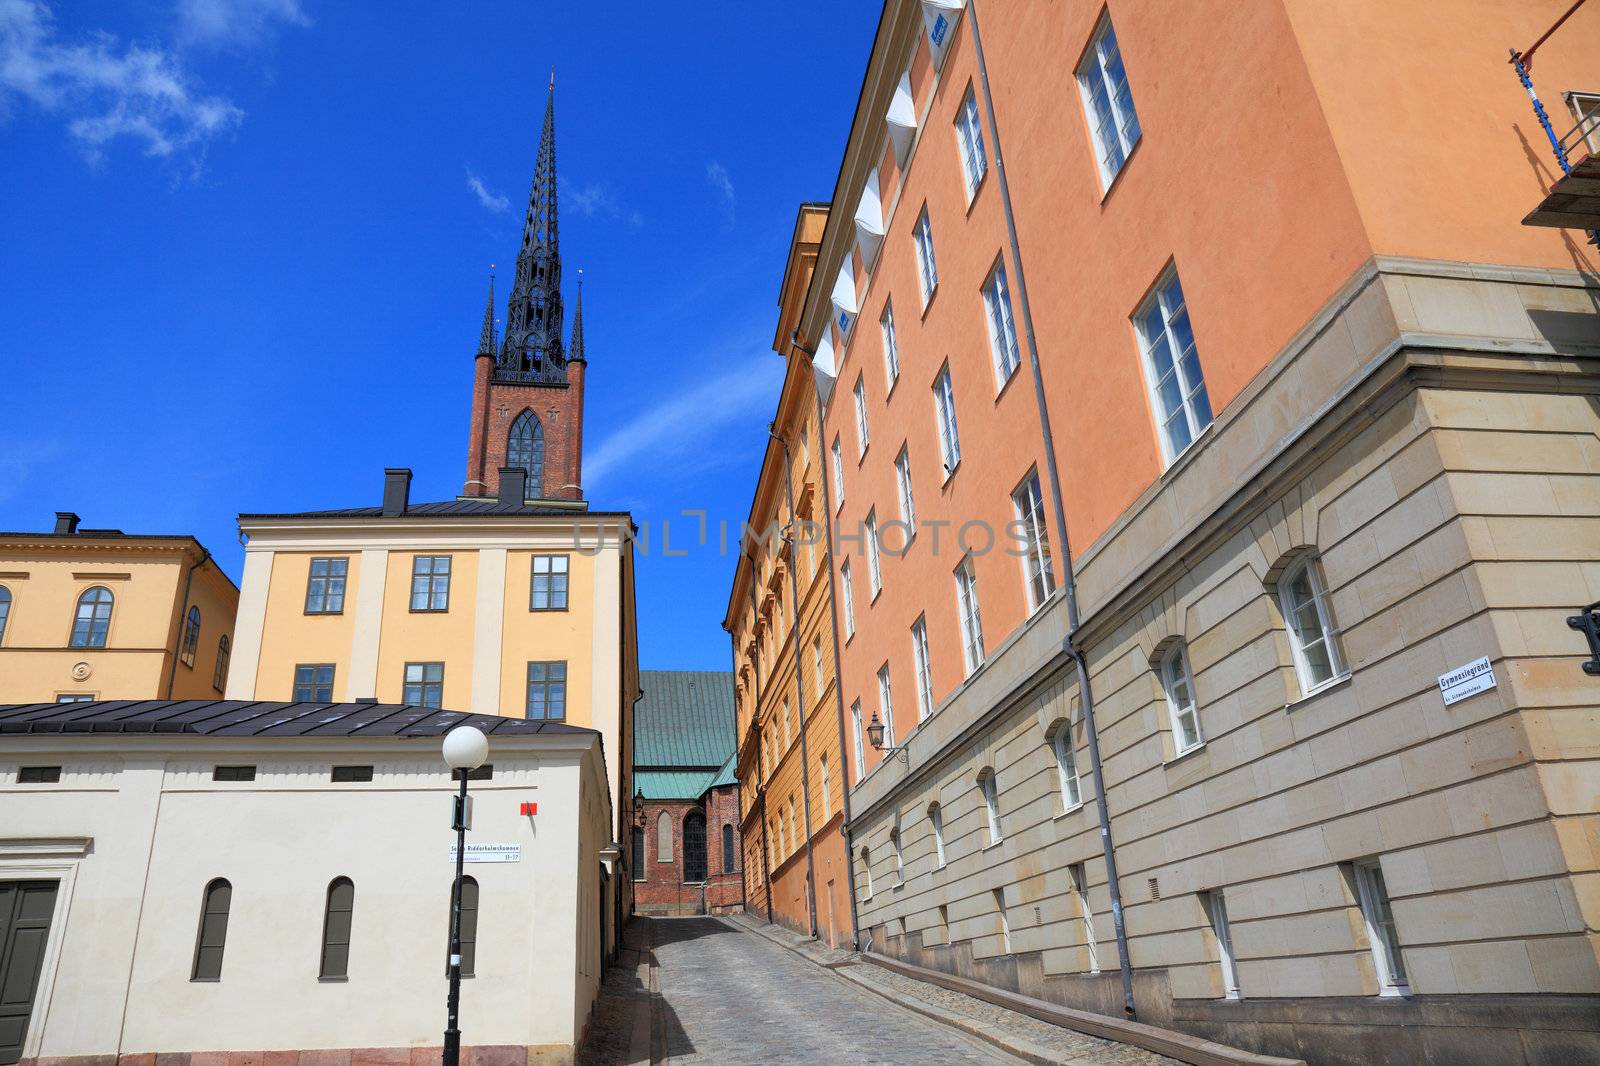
column 486, row 338
column 533, row 349
column 575, row 349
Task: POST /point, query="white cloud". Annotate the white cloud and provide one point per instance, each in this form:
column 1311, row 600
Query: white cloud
column 498, row 204
column 235, row 23
column 105, row 90
column 596, row 201
column 683, row 431
column 21, row 459
column 717, row 175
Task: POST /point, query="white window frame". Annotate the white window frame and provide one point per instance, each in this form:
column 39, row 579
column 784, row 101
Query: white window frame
column 1080, row 887
column 927, row 261
column 1038, row 577
column 863, row 437
column 967, row 605
column 908, row 503
column 899, row 856
column 1176, row 676
column 1387, row 959
column 1217, row 912
column 1167, row 303
column 944, row 411
column 924, row 667
column 874, row 557
column 969, row 142
column 866, row 870
column 886, row 705
column 861, row 740
column 936, row 819
column 848, row 593
column 816, row 656
column 837, row 454
column 788, row 737
column 991, row 804
column 1096, row 66
column 1329, row 633
column 1004, row 345
column 1005, row 922
column 1067, row 777
column 827, row 791
column 891, row 347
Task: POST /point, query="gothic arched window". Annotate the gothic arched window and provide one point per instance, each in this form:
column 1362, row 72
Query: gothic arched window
column 525, row 448
column 694, row 848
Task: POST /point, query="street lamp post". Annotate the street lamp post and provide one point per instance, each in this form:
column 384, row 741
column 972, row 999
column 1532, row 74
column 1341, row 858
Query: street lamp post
column 875, row 738
column 465, row 749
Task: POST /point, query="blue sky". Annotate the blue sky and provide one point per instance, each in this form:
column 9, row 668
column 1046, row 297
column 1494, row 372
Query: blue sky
column 245, row 245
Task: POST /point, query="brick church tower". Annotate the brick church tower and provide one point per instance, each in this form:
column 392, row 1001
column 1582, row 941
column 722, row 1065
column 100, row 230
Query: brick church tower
column 527, row 391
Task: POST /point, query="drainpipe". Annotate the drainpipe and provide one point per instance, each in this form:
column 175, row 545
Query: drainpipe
column 183, row 619
column 799, row 688
column 755, row 714
column 1069, row 585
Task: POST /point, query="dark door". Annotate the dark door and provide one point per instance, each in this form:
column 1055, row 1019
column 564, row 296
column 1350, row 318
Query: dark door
column 25, row 910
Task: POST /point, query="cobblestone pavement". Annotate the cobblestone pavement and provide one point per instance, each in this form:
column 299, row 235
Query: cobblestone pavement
column 730, row 996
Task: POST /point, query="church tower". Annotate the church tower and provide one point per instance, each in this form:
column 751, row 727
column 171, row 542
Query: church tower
column 527, row 395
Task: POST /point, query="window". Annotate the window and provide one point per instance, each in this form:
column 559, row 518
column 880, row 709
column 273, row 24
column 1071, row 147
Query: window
column 1080, row 889
column 849, row 599
column 638, row 854
column 219, row 673
column 866, row 872
column 991, row 802
column 827, row 791
column 1312, row 636
column 886, row 705
column 313, row 683
column 75, row 697
column 944, row 405
column 214, row 904
column 1002, row 326
column 874, row 557
column 971, row 621
column 430, row 583
column 424, row 685
column 525, row 448
column 936, row 819
column 860, row 738
column 863, row 438
column 549, row 591
column 664, row 837
column 5, row 610
column 794, row 825
column 351, row 774
column 1179, row 686
column 1066, row 766
column 93, row 620
column 727, row 848
column 908, row 505
column 899, row 856
column 1217, row 912
column 838, row 471
column 816, row 660
column 1381, row 932
column 927, row 269
column 325, row 586
column 191, row 638
column 1028, row 504
column 336, row 930
column 891, row 348
column 547, row 690
column 694, row 848
column 1586, row 110
column 469, row 926
column 39, row 775
column 1172, row 367
column 787, row 736
column 233, row 773
column 1004, row 923
column 919, row 654
column 1108, row 102
column 969, row 139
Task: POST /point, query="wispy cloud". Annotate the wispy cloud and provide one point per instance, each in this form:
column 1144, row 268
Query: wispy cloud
column 235, row 24
column 595, row 200
column 687, row 430
column 491, row 201
column 21, row 459
column 717, row 175
column 105, row 90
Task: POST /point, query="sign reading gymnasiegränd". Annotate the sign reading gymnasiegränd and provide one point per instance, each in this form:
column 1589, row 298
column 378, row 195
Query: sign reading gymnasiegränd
column 1469, row 680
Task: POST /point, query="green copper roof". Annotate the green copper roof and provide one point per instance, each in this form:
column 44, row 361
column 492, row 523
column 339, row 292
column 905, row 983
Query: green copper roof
column 684, row 720
column 725, row 776
column 673, row 784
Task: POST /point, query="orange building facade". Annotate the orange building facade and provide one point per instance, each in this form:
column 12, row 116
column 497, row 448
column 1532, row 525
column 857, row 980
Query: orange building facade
column 780, row 618
column 1228, row 299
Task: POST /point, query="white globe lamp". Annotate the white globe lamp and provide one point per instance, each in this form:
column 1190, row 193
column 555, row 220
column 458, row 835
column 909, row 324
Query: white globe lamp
column 465, row 748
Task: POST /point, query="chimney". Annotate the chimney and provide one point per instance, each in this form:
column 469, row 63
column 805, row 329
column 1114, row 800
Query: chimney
column 396, row 491
column 66, row 522
column 513, row 484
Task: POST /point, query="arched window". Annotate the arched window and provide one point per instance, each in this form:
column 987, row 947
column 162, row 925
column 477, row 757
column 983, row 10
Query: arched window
column 866, row 873
column 936, row 819
column 694, row 847
column 191, row 637
column 5, row 610
column 219, row 675
column 336, row 930
column 664, row 838
column 899, row 856
column 214, row 904
column 93, row 620
column 1066, row 765
column 525, row 448
column 1312, row 635
column 469, row 928
column 827, row 792
column 638, row 853
column 1178, row 684
column 991, row 802
column 727, row 848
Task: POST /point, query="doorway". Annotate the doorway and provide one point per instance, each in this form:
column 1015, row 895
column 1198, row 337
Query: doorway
column 25, row 911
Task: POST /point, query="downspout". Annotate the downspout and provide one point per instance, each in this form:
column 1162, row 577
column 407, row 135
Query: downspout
column 1069, row 585
column 183, row 619
column 738, row 785
column 755, row 716
column 799, row 688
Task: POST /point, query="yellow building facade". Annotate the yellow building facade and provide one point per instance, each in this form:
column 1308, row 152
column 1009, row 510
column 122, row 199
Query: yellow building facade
column 780, row 619
column 98, row 614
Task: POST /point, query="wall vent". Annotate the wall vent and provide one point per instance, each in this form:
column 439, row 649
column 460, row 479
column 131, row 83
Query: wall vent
column 1155, row 889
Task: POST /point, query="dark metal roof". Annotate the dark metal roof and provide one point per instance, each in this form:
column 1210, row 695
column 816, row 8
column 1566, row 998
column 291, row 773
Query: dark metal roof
column 489, row 508
column 684, row 719
column 253, row 718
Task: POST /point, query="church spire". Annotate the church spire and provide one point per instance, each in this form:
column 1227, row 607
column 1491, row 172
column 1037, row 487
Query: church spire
column 486, row 338
column 575, row 349
column 533, row 349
